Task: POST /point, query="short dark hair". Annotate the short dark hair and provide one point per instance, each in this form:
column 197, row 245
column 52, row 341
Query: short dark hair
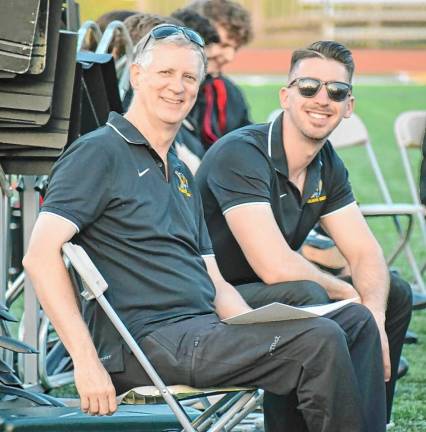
column 325, row 50
column 197, row 22
column 115, row 15
column 233, row 17
column 140, row 24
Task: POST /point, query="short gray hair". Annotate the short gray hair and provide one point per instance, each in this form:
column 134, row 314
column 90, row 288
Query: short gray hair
column 143, row 55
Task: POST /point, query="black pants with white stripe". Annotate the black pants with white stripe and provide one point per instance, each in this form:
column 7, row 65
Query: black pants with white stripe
column 332, row 366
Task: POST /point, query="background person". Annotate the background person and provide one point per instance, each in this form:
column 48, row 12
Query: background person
column 188, row 143
column 220, row 106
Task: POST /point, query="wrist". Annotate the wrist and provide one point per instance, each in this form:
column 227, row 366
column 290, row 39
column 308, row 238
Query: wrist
column 85, row 356
column 338, row 289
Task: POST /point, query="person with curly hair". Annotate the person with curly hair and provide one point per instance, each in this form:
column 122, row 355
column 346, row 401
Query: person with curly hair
column 220, row 106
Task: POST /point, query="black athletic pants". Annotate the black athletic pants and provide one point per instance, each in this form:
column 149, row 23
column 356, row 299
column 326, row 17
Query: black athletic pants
column 332, row 365
column 398, row 313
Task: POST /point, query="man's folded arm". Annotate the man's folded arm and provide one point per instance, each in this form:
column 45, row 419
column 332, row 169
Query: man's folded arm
column 370, row 275
column 44, row 265
column 266, row 250
column 349, row 230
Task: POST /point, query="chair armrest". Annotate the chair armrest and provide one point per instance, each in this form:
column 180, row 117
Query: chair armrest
column 391, row 209
column 93, row 282
column 395, row 211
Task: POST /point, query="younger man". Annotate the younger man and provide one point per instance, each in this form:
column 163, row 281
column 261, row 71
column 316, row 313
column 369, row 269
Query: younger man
column 265, row 186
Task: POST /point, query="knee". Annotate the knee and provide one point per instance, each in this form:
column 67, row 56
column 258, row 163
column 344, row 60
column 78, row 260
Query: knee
column 314, row 293
column 359, row 319
column 400, row 294
column 360, row 312
column 330, row 335
column 400, row 305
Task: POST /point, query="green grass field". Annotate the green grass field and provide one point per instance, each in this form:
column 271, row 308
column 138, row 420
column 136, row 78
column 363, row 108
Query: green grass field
column 378, row 106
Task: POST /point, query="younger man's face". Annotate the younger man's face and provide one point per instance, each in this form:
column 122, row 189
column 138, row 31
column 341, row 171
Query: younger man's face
column 316, row 117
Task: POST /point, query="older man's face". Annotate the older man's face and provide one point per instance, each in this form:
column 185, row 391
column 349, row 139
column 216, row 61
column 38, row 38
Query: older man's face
column 167, row 89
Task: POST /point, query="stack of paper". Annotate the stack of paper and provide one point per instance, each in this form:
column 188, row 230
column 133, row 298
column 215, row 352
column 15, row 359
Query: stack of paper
column 282, row 312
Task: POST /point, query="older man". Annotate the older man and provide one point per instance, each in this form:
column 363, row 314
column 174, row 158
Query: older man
column 122, row 194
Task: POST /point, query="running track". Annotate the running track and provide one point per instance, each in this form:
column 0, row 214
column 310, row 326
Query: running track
column 367, row 61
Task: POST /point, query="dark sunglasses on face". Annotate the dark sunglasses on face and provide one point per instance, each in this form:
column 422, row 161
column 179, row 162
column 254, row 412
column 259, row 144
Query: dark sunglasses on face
column 309, row 87
column 166, row 30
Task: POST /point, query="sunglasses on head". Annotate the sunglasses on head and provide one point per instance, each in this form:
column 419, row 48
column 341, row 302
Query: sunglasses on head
column 166, row 30
column 309, row 87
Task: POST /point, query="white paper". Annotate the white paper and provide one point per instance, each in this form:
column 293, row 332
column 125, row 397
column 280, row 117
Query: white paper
column 283, row 312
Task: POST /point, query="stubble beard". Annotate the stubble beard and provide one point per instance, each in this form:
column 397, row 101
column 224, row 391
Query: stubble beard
column 320, row 137
column 315, row 139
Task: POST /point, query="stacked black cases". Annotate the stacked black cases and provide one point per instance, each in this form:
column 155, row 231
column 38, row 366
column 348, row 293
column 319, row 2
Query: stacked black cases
column 36, row 94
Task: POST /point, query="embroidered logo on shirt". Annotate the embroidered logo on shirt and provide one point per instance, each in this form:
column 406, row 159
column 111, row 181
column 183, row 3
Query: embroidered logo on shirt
column 183, row 186
column 141, row 173
column 317, row 195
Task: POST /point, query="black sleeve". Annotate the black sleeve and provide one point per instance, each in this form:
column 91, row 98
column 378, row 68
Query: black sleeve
column 239, row 174
column 339, row 190
column 205, row 244
column 80, row 183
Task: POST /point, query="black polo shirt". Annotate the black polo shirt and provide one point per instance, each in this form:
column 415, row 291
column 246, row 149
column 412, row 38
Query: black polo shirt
column 249, row 167
column 145, row 234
